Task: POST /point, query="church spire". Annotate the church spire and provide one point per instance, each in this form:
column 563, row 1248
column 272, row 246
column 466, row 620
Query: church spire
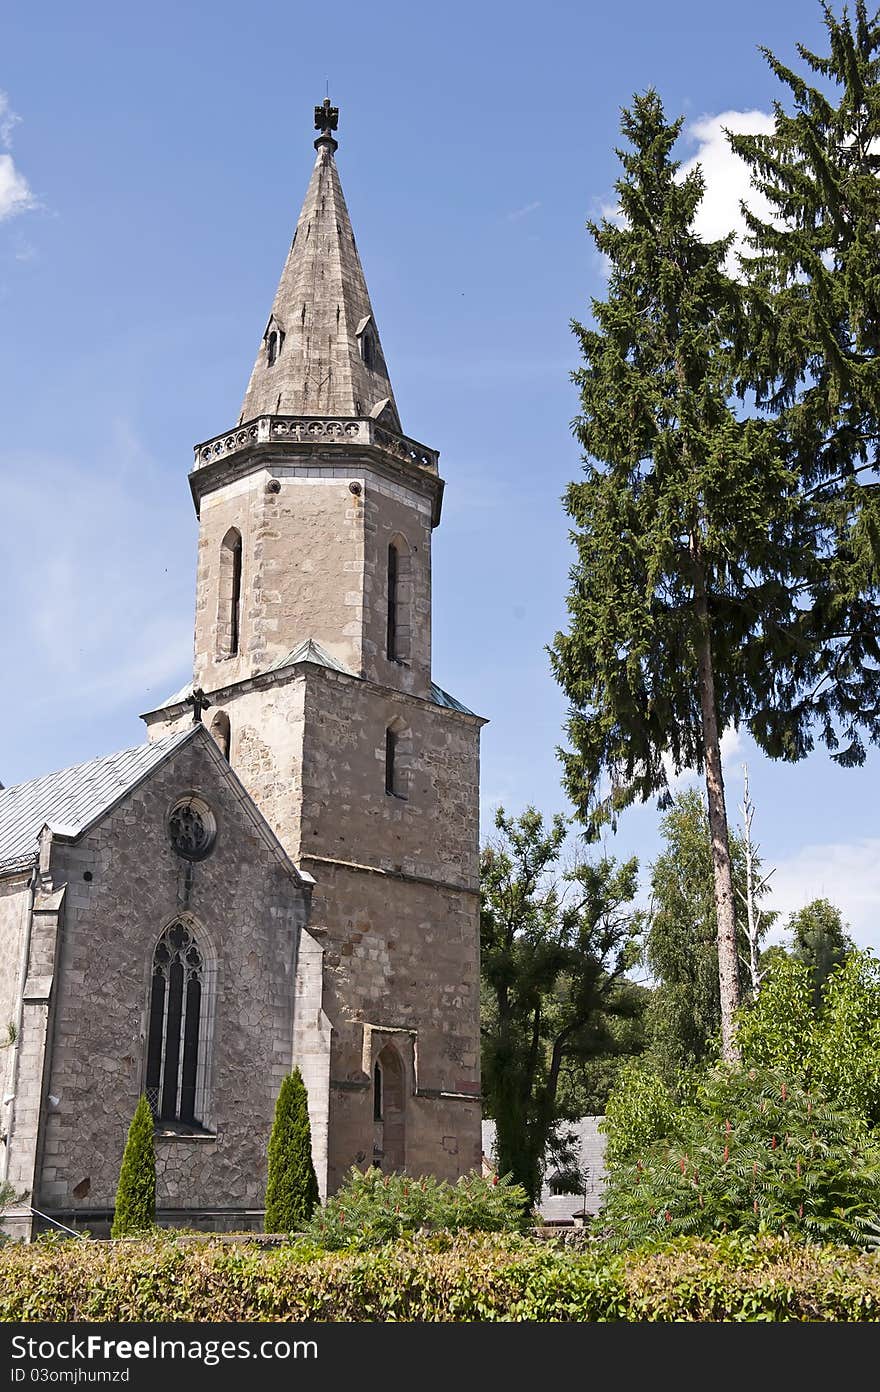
column 320, row 354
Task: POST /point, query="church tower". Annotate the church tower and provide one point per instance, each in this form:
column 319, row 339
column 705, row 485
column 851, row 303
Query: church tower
column 313, row 669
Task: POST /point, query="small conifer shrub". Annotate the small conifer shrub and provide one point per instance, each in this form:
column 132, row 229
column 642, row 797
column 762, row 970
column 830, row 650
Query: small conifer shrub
column 136, row 1195
column 292, row 1187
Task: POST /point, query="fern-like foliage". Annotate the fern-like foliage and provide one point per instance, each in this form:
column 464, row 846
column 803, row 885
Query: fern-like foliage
column 755, row 1151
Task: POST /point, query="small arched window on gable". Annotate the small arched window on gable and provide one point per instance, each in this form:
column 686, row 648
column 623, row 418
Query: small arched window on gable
column 177, row 1032
column 274, row 340
column 367, row 343
column 399, row 582
column 221, row 731
column 229, row 595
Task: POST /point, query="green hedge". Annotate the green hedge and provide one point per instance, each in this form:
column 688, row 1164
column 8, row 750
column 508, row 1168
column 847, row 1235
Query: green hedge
column 437, row 1278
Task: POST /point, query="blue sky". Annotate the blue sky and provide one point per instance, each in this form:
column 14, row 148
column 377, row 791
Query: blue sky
column 152, row 167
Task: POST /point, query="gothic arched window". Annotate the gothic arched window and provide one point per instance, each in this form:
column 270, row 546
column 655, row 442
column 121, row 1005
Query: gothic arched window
column 389, row 1110
column 390, row 759
column 176, row 1029
column 393, row 578
column 398, row 631
column 272, row 348
column 229, row 596
column 398, row 763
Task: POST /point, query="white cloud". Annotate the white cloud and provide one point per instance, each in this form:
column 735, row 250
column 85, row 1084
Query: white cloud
column 15, row 193
column 847, row 873
column 523, row 212
column 8, row 121
column 727, row 180
column 727, row 176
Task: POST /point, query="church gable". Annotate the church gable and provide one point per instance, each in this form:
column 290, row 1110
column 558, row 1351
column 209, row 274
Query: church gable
column 168, row 967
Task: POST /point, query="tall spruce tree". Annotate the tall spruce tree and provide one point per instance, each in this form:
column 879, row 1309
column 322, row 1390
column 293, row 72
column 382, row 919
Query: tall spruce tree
column 814, row 365
column 292, row 1186
column 819, row 940
column 688, row 553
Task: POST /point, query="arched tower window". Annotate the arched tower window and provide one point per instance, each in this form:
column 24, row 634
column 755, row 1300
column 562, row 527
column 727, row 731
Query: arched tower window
column 368, row 352
column 175, row 1038
column 398, row 588
column 389, row 1110
column 393, row 579
column 229, row 596
column 398, row 747
column 390, row 762
column 220, row 729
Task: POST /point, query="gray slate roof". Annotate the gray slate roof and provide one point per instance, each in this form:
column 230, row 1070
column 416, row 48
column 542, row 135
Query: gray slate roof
column 443, row 698
column 73, row 798
column 322, row 367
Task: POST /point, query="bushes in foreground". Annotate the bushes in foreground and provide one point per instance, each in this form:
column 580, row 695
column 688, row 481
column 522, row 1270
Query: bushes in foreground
column 753, row 1151
column 373, row 1208
column 437, row 1278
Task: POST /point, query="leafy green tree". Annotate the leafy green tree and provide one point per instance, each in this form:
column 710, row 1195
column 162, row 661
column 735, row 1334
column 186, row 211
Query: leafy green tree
column 586, row 1081
column 681, row 590
column 680, row 949
column 639, row 1111
column 292, row 1186
column 834, row 1046
column 813, row 363
column 555, row 947
column 819, row 940
column 135, row 1210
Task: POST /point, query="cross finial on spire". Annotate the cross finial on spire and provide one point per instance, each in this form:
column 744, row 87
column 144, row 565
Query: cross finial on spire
column 326, row 121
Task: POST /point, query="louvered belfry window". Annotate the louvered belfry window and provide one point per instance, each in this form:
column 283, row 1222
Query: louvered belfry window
column 175, row 1025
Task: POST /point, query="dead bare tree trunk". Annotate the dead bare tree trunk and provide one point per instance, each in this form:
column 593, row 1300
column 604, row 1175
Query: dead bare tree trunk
column 753, row 914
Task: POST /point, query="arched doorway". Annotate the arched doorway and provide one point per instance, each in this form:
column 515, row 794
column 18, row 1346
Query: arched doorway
column 389, row 1111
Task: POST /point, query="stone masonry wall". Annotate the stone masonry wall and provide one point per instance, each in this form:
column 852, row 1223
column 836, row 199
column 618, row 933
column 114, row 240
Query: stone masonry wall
column 401, row 946
column 296, row 544
column 14, row 901
column 247, row 913
column 401, row 956
column 396, row 910
column 433, row 828
column 314, row 565
column 395, row 513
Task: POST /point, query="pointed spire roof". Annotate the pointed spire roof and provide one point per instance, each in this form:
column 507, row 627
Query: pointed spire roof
column 320, row 354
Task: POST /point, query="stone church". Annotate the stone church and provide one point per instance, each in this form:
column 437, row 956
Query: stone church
column 286, row 872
